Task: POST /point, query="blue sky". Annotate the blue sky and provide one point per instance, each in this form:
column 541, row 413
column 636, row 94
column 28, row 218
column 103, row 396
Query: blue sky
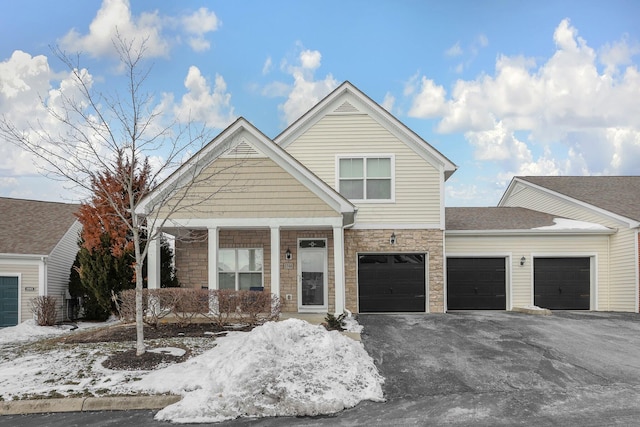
column 501, row 88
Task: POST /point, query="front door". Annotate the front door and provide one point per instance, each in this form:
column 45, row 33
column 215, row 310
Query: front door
column 312, row 275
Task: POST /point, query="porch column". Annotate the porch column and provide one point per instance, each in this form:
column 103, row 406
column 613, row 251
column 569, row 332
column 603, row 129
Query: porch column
column 212, row 245
column 153, row 263
column 338, row 268
column 275, row 261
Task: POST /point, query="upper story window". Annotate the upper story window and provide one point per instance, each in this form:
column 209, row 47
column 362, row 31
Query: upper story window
column 366, row 177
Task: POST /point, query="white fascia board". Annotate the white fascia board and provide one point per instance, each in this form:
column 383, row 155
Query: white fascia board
column 396, row 226
column 528, row 232
column 613, row 216
column 296, row 222
column 364, row 103
column 22, row 257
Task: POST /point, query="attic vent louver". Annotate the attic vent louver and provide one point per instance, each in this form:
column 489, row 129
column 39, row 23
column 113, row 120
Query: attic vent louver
column 243, row 150
column 346, row 107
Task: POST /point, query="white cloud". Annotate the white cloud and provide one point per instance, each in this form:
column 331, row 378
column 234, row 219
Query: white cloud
column 388, row 101
column 198, row 24
column 564, row 102
column 203, row 103
column 115, row 17
column 430, row 101
column 266, row 67
column 306, row 90
column 454, row 50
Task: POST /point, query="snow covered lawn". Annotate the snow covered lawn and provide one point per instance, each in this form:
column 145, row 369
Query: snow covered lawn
column 278, row 369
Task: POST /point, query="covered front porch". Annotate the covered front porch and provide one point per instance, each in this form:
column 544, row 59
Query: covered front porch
column 300, row 260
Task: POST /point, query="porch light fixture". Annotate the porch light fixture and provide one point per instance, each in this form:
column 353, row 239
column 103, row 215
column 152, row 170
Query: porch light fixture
column 522, row 261
column 392, row 239
column 287, row 254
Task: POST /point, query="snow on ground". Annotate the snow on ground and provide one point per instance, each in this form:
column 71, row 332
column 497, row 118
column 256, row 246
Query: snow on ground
column 280, row 368
column 283, row 368
column 29, row 331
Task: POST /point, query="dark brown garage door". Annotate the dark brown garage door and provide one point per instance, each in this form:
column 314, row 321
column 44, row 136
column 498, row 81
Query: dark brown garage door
column 562, row 283
column 476, row 284
column 391, row 283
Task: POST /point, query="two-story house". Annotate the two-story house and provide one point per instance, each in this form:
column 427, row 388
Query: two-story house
column 345, row 210
column 342, row 210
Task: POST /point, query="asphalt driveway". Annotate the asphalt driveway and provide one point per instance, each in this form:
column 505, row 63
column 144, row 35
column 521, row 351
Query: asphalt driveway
column 474, row 368
column 502, row 368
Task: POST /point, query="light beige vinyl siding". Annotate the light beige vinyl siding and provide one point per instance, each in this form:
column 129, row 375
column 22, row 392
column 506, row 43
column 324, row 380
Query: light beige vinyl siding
column 417, row 182
column 28, row 277
column 251, row 188
column 59, row 267
column 622, row 290
column 518, row 246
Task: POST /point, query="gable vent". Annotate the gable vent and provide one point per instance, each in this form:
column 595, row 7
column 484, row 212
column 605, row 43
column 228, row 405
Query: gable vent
column 346, row 107
column 243, row 150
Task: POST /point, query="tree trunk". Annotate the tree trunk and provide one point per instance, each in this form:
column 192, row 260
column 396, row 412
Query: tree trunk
column 139, row 306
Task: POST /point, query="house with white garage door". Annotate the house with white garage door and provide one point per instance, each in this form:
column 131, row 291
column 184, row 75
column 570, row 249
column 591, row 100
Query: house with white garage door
column 345, row 209
column 38, row 244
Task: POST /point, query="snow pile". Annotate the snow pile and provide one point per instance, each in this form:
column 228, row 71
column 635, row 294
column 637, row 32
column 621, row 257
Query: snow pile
column 350, row 324
column 283, row 368
column 29, row 330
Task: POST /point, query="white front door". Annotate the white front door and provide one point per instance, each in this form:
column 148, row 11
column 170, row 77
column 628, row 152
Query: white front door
column 312, row 275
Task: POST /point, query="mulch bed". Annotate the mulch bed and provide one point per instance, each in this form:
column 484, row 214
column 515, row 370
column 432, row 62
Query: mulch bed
column 127, row 360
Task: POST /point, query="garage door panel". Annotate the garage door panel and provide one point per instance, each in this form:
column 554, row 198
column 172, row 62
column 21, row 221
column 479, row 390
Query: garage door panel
column 391, row 283
column 8, row 301
column 562, row 283
column 475, row 283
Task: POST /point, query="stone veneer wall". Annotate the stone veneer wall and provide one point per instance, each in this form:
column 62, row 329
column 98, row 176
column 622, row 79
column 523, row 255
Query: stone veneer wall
column 407, row 240
column 191, row 259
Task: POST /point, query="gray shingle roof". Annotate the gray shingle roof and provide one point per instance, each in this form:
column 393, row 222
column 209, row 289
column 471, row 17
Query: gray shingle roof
column 33, row 227
column 616, row 194
column 492, row 218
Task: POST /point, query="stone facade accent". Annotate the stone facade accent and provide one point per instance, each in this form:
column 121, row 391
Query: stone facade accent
column 407, row 240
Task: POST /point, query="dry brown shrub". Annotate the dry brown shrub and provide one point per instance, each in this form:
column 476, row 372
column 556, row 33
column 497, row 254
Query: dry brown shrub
column 44, row 310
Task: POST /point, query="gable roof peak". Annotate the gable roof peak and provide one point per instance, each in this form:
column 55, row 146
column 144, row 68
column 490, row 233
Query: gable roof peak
column 364, row 104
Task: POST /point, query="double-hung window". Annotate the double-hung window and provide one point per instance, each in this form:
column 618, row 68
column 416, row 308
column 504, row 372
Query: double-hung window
column 239, row 269
column 366, row 177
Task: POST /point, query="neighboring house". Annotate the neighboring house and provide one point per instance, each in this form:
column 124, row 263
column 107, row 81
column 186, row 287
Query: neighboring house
column 38, row 246
column 611, row 201
column 344, row 210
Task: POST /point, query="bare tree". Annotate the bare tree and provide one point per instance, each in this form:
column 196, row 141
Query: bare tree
column 102, row 127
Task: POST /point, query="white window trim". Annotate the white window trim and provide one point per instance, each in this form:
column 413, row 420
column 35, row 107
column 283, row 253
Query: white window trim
column 392, row 157
column 236, row 271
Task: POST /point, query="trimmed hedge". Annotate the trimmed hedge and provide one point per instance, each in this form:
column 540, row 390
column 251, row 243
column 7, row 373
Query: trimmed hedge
column 222, row 307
